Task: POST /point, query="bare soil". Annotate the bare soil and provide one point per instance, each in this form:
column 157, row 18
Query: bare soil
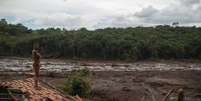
column 134, row 86
column 141, row 85
column 116, row 81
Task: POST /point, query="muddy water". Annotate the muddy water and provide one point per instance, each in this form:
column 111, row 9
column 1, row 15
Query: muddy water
column 55, row 65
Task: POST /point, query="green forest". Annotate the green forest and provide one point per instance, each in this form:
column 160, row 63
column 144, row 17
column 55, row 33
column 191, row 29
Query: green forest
column 132, row 43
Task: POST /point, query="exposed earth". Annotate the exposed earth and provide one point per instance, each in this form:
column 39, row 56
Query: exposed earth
column 139, row 85
column 122, row 81
column 13, row 64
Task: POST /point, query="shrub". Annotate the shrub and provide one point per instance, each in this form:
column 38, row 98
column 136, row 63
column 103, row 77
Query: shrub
column 78, row 83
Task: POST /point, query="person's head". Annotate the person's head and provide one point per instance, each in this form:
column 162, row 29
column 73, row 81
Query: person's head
column 36, row 49
column 36, row 46
column 34, row 52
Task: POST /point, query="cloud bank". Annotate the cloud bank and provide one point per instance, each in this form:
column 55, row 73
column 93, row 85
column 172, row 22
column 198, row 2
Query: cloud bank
column 93, row 14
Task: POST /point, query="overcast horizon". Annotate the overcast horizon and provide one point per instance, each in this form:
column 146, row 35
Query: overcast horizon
column 95, row 14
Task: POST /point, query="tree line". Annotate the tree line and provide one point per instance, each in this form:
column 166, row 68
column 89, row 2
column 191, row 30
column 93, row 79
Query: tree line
column 132, row 43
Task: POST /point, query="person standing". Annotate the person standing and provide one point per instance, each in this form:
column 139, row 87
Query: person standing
column 36, row 66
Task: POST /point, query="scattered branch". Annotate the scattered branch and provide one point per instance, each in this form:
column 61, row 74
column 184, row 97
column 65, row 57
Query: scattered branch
column 167, row 95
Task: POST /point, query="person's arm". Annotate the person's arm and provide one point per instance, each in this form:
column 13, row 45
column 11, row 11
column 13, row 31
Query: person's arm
column 38, row 55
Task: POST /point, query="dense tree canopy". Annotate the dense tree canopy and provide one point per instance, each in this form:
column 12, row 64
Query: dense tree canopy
column 162, row 41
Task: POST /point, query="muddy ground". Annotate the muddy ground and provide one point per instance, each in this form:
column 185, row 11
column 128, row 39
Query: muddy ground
column 138, row 81
column 150, row 85
column 13, row 64
column 141, row 85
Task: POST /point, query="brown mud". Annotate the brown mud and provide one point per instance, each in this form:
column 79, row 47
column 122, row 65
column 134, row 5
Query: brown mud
column 120, row 81
column 139, row 85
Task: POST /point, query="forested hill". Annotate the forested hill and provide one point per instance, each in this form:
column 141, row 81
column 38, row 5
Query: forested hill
column 111, row 43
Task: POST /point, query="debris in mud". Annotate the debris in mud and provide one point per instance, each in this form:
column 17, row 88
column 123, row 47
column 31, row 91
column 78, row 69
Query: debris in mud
column 56, row 65
column 126, row 89
column 124, row 82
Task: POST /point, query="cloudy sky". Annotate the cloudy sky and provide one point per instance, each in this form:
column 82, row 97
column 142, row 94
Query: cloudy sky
column 93, row 14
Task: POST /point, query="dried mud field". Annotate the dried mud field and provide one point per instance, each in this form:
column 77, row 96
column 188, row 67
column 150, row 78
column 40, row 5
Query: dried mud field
column 141, row 85
column 147, row 85
column 120, row 81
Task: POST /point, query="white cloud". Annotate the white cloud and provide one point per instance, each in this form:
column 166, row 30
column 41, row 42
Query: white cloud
column 190, row 2
column 178, row 12
column 146, row 12
column 92, row 14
